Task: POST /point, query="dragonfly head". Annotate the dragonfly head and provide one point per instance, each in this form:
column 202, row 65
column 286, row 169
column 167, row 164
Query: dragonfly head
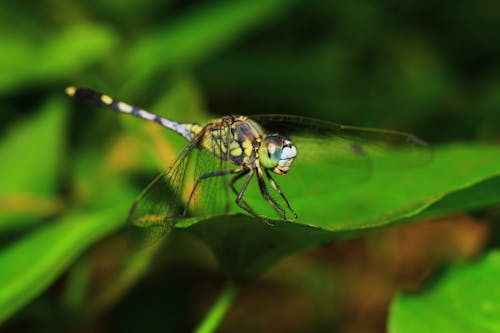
column 277, row 152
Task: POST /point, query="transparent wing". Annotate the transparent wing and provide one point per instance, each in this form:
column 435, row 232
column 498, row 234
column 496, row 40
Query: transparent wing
column 160, row 205
column 184, row 190
column 348, row 146
column 212, row 172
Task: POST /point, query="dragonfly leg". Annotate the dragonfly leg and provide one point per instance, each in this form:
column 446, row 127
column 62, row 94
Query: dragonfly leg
column 242, row 173
column 265, row 192
column 242, row 201
column 206, row 176
column 239, row 198
column 277, row 188
column 235, row 179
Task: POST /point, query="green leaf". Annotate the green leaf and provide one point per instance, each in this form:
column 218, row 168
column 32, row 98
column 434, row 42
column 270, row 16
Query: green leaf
column 26, row 190
column 25, row 61
column 481, row 194
column 31, row 264
column 198, row 34
column 245, row 246
column 466, row 298
column 34, row 141
column 333, row 201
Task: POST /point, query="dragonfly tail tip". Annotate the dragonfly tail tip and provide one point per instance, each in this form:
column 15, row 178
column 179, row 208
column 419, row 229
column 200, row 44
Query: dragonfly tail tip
column 70, row 91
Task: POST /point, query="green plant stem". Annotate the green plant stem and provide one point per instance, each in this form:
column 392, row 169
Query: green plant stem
column 214, row 317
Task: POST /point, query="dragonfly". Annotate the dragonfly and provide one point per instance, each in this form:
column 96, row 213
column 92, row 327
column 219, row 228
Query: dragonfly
column 237, row 147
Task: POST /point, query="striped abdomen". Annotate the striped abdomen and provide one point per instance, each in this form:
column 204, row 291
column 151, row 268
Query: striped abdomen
column 188, row 131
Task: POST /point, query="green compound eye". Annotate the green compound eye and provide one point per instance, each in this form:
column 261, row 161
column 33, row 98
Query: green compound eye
column 270, row 152
column 278, row 153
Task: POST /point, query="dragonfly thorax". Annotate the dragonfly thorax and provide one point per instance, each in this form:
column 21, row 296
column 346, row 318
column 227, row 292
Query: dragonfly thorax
column 277, row 152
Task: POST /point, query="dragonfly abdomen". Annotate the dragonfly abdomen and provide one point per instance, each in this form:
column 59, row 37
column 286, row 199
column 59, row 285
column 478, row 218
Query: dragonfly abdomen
column 188, row 131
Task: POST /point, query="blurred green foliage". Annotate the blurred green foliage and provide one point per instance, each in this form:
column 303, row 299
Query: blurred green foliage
column 69, row 172
column 456, row 291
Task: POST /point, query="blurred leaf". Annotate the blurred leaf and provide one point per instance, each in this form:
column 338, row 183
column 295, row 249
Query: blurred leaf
column 35, row 141
column 39, row 141
column 25, row 61
column 245, row 246
column 135, row 267
column 100, row 179
column 29, row 265
column 184, row 99
column 77, row 285
column 184, row 102
column 129, row 12
column 197, row 35
column 466, row 298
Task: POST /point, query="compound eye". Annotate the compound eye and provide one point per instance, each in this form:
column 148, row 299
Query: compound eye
column 271, row 151
column 274, row 145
